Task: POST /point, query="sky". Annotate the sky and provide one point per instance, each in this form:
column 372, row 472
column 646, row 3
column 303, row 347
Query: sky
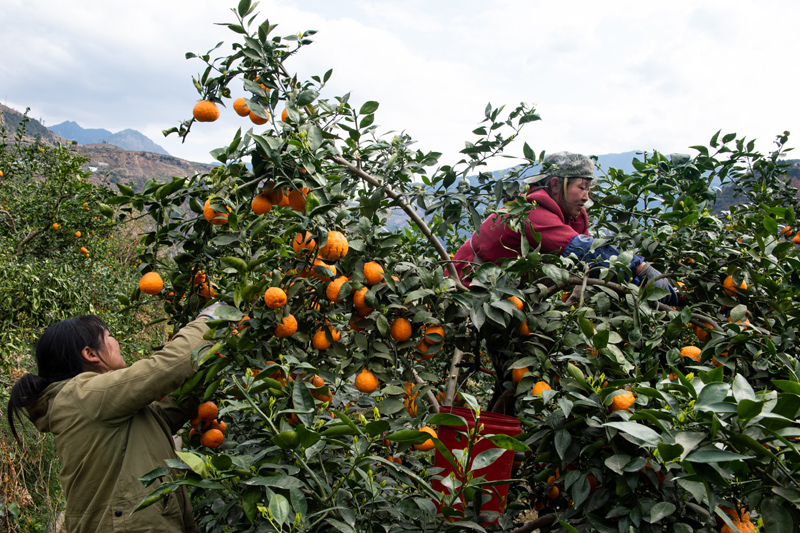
column 606, row 77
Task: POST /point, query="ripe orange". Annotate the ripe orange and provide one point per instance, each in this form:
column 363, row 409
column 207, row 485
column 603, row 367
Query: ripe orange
column 207, row 291
column 207, row 411
column 320, row 339
column 359, row 298
column 216, row 424
column 373, row 273
column 77, row 233
column 317, row 381
column 306, row 243
column 205, row 111
column 212, row 438
column 258, row 120
column 701, row 333
column 622, row 402
column 320, row 263
column 523, row 329
column 287, row 327
column 241, row 325
column 434, row 329
column 428, row 444
column 297, row 199
column 285, row 114
column 292, row 419
column 553, row 492
column 796, row 238
column 692, row 352
column 215, row 217
column 516, row 301
column 423, row 348
column 151, row 283
column 199, row 278
column 730, row 286
column 332, row 291
column 518, row 373
column 335, row 248
column 410, row 401
column 366, row 382
column 275, row 298
column 84, row 250
column 240, row 106
column 282, row 197
column 401, row 329
column 540, row 387
column 786, row 231
column 261, row 204
column 56, row 226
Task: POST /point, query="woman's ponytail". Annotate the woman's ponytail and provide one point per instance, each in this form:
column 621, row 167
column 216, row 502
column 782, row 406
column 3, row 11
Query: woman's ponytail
column 23, row 394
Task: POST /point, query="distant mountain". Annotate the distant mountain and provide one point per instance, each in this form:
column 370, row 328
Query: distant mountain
column 72, row 131
column 126, row 139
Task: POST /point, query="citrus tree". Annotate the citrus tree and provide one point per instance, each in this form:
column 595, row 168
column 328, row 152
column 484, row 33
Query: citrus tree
column 351, row 331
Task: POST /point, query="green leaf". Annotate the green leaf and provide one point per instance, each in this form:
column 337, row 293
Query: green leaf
column 160, row 493
column 648, row 436
column 562, row 441
column 487, row 458
column 368, row 108
column 600, row 340
column 586, row 326
column 748, row 409
column 616, row 463
column 776, row 517
column 770, row 225
column 195, row 462
column 280, row 508
column 508, row 443
column 715, row 456
column 669, row 452
column 302, row 400
column 383, row 325
column 447, row 419
column 660, row 511
column 412, row 436
column 236, row 263
column 306, row 97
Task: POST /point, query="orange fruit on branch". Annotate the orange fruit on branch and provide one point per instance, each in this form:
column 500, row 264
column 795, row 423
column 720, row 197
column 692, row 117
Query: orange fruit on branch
column 257, row 119
column 366, row 382
column 84, row 251
column 207, row 411
column 400, row 329
column 428, row 444
column 320, row 339
column 218, row 218
column 261, row 204
column 423, row 348
column 151, row 283
column 622, row 402
column 297, row 199
column 540, row 387
column 240, row 107
column 434, row 329
column 275, row 298
column 212, row 438
column 320, row 264
column 523, row 329
column 373, row 273
column 730, row 286
column 216, row 424
column 334, row 287
column 77, row 233
column 518, row 373
column 303, row 243
column 692, row 352
column 207, row 290
column 205, row 111
column 516, row 301
column 796, row 238
column 285, row 114
column 287, row 327
column 335, row 248
column 786, row 231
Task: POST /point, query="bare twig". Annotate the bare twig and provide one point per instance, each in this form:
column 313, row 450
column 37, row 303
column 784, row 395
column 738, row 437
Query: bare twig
column 542, row 521
column 409, row 211
column 452, row 377
column 430, row 395
column 10, row 221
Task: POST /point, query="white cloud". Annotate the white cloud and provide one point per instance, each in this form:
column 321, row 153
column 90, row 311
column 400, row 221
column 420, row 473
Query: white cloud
column 606, row 76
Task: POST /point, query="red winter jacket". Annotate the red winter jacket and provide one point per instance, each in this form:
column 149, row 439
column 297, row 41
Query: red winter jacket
column 496, row 240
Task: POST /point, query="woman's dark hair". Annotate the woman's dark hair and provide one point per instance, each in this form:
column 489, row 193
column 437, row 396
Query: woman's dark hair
column 58, row 357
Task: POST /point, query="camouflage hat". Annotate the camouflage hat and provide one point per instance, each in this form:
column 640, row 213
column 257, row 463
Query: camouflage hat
column 565, row 165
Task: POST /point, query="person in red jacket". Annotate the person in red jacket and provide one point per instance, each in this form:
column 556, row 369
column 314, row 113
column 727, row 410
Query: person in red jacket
column 560, row 220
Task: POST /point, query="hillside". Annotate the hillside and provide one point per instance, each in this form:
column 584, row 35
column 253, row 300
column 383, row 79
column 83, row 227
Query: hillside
column 106, row 161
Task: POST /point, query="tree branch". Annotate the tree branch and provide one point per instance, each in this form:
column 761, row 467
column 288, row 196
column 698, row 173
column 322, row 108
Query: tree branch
column 452, row 377
column 430, row 395
column 372, row 180
column 542, row 521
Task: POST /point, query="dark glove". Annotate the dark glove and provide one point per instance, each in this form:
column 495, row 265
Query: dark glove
column 648, row 272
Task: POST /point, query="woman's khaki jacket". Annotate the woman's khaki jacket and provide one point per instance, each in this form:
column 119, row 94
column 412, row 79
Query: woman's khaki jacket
column 111, row 429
